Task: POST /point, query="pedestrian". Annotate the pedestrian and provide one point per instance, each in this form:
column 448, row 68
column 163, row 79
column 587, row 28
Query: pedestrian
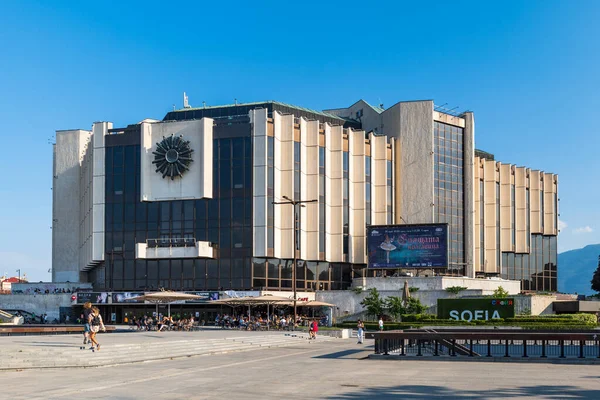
column 361, row 331
column 87, row 309
column 380, row 323
column 314, row 328
column 96, row 324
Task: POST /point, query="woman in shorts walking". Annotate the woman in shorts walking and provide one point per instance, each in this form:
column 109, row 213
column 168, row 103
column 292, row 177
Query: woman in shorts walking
column 96, row 324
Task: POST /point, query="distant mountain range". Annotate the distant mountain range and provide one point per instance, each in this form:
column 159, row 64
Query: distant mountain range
column 575, row 269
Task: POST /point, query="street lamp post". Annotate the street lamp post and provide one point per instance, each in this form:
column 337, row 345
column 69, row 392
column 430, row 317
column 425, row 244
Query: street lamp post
column 294, row 203
column 19, row 271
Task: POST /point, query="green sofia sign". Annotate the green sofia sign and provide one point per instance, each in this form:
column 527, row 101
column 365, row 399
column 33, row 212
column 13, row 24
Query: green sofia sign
column 475, row 309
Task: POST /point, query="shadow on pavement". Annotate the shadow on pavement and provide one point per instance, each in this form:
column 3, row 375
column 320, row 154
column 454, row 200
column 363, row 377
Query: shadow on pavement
column 341, row 354
column 439, row 392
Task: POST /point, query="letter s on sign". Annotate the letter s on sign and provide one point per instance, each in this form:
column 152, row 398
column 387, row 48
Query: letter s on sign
column 454, row 315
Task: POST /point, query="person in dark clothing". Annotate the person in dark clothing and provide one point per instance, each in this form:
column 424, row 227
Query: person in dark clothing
column 87, row 309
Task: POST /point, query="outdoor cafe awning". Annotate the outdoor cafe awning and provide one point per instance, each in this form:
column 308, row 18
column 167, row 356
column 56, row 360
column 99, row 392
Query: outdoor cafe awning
column 165, row 297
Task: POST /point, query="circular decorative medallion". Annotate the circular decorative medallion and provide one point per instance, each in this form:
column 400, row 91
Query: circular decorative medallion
column 173, row 156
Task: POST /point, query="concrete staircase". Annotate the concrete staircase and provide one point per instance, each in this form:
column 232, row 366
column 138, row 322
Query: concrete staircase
column 64, row 355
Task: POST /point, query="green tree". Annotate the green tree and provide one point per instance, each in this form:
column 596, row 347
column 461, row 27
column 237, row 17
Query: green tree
column 500, row 293
column 596, row 278
column 414, row 306
column 373, row 303
column 394, row 306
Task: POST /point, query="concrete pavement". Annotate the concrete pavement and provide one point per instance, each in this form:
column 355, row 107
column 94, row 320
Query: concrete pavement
column 333, row 369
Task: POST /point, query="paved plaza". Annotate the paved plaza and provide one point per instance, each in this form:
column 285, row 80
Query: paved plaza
column 276, row 366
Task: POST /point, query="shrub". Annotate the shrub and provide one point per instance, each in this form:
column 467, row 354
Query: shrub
column 395, row 306
column 414, row 306
column 413, row 289
column 455, row 289
column 357, row 290
column 373, row 303
column 500, row 293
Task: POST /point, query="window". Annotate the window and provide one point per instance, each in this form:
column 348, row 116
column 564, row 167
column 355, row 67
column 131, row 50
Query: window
column 448, row 186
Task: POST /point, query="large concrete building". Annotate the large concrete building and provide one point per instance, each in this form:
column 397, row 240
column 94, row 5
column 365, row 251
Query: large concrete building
column 187, row 203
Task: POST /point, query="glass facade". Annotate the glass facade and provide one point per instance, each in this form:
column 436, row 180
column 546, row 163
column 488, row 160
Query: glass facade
column 311, row 275
column 225, row 220
column 536, row 270
column 448, row 185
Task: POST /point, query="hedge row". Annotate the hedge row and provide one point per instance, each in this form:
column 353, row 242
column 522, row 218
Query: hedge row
column 567, row 321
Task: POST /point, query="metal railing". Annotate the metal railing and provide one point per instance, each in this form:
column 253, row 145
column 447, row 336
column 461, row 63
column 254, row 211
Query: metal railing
column 171, row 242
column 509, row 344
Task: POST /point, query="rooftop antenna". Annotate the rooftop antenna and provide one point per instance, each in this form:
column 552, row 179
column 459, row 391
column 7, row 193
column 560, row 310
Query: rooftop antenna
column 186, row 103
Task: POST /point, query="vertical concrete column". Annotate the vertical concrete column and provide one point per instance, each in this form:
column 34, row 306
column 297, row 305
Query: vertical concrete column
column 258, row 119
column 478, row 175
column 534, row 198
column 309, row 182
column 397, row 180
column 505, row 207
column 549, row 213
column 69, row 151
column 334, row 220
column 378, row 180
column 283, row 126
column 356, row 170
column 469, row 192
column 521, row 211
column 416, row 158
column 490, row 177
column 556, row 208
column 100, row 130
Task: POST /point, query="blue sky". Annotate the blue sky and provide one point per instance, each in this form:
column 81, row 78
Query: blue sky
column 529, row 71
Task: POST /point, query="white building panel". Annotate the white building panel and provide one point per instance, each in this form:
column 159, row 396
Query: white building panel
column 356, row 170
column 196, row 183
column 283, row 128
column 334, row 248
column 309, row 181
column 200, row 250
column 378, row 180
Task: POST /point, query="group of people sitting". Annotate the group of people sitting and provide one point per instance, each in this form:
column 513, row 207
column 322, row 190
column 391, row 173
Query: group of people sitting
column 161, row 323
column 260, row 322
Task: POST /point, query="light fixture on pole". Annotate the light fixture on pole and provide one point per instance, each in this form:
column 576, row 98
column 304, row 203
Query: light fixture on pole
column 19, row 271
column 294, row 203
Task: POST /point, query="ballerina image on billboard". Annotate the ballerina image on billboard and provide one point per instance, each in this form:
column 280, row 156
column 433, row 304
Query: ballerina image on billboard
column 408, row 246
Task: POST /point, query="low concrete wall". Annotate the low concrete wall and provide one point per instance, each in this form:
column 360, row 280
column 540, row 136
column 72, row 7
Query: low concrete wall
column 537, row 304
column 438, row 283
column 39, row 304
column 30, row 287
column 348, row 302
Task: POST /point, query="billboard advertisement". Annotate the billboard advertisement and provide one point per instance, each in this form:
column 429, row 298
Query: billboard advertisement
column 205, row 297
column 93, row 297
column 126, row 297
column 408, row 246
column 475, row 309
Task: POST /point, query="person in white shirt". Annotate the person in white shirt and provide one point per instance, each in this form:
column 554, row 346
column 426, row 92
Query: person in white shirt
column 380, row 323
